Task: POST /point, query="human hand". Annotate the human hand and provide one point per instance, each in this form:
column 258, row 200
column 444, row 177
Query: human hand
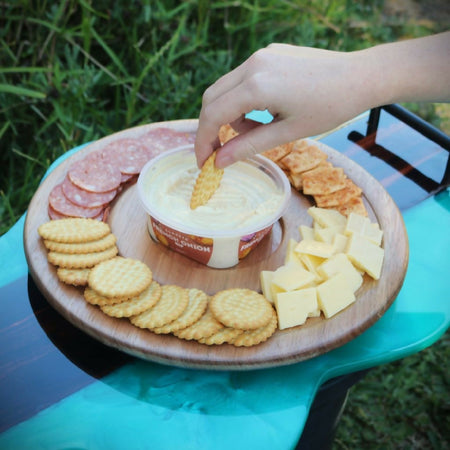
column 308, row 91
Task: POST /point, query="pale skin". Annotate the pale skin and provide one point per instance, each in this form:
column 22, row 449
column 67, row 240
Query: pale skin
column 311, row 91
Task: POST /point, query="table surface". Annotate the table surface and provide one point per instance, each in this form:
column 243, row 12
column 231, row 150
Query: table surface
column 62, row 389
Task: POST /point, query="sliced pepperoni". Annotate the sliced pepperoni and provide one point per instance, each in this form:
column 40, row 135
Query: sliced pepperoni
column 85, row 198
column 95, row 174
column 129, row 155
column 61, row 205
column 161, row 139
column 54, row 215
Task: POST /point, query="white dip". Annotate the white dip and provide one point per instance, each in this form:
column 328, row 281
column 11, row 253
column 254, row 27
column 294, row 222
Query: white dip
column 246, row 197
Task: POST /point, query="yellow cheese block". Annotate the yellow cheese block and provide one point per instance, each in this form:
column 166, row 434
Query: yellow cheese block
column 365, row 255
column 265, row 278
column 340, row 242
column 341, row 264
column 306, row 233
column 292, row 276
column 327, row 217
column 327, row 234
column 291, row 255
column 334, row 295
column 316, row 248
column 357, row 224
column 293, row 308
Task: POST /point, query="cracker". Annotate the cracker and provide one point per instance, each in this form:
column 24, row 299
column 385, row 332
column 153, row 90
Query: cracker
column 340, row 196
column 355, row 205
column 278, row 152
column 255, row 337
column 207, row 182
column 173, row 302
column 136, row 305
column 323, row 180
column 206, row 326
column 76, row 277
column 120, row 277
column 94, row 298
column 82, row 247
column 198, row 302
column 241, row 308
column 306, row 158
column 226, row 133
column 73, row 230
column 225, row 335
column 82, row 260
column 296, row 179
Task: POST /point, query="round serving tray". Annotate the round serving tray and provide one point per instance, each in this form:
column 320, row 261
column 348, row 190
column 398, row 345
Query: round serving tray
column 128, row 222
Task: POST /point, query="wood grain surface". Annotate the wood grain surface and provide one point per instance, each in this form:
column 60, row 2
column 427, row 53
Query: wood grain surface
column 129, row 223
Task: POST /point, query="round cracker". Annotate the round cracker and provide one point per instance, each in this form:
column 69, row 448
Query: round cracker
column 223, row 336
column 82, row 260
column 254, row 337
column 146, row 300
column 76, row 277
column 198, row 302
column 82, row 247
column 240, row 308
column 72, row 230
column 94, row 298
column 173, row 302
column 206, row 326
column 120, row 277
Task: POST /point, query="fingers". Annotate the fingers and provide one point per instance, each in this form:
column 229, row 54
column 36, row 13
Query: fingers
column 228, row 107
column 256, row 140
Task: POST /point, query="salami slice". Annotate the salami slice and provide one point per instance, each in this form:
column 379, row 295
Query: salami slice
column 161, row 139
column 85, row 198
column 54, row 215
column 95, row 174
column 129, row 155
column 61, row 205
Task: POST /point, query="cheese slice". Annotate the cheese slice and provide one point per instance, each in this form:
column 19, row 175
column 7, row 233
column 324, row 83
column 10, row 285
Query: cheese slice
column 341, row 264
column 265, row 278
column 316, row 248
column 291, row 255
column 293, row 308
column 306, row 233
column 340, row 243
column 327, row 234
column 334, row 295
column 291, row 277
column 327, row 217
column 365, row 255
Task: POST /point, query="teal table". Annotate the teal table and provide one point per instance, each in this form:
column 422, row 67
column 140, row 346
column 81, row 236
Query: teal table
column 138, row 405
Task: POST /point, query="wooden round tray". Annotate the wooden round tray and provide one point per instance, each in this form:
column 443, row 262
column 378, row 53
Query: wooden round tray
column 128, row 222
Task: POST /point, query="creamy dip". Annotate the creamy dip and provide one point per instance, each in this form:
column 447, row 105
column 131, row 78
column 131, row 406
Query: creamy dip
column 246, row 197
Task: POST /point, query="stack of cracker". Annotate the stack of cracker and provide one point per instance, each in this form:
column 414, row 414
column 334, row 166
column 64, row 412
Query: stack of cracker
column 76, row 245
column 309, row 171
column 86, row 255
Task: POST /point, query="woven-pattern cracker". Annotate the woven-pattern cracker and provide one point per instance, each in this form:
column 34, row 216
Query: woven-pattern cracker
column 206, row 326
column 120, row 277
column 72, row 230
column 239, row 308
column 76, row 277
column 173, row 302
column 82, row 247
column 94, row 298
column 82, row 260
column 137, row 305
column 255, row 337
column 198, row 302
column 223, row 336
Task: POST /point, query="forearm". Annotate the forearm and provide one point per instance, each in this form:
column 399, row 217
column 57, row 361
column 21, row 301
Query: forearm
column 413, row 70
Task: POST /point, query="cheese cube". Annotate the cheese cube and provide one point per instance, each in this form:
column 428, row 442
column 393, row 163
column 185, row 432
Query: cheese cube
column 340, row 243
column 311, row 263
column 355, row 224
column 327, row 234
column 341, row 264
column 365, row 255
column 327, row 217
column 373, row 233
column 334, row 295
column 306, row 233
column 294, row 307
column 291, row 277
column 315, row 313
column 265, row 278
column 316, row 248
column 291, row 255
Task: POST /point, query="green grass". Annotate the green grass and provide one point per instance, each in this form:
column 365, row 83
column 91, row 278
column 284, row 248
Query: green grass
column 74, row 71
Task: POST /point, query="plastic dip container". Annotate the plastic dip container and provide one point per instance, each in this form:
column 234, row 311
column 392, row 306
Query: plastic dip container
column 252, row 196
